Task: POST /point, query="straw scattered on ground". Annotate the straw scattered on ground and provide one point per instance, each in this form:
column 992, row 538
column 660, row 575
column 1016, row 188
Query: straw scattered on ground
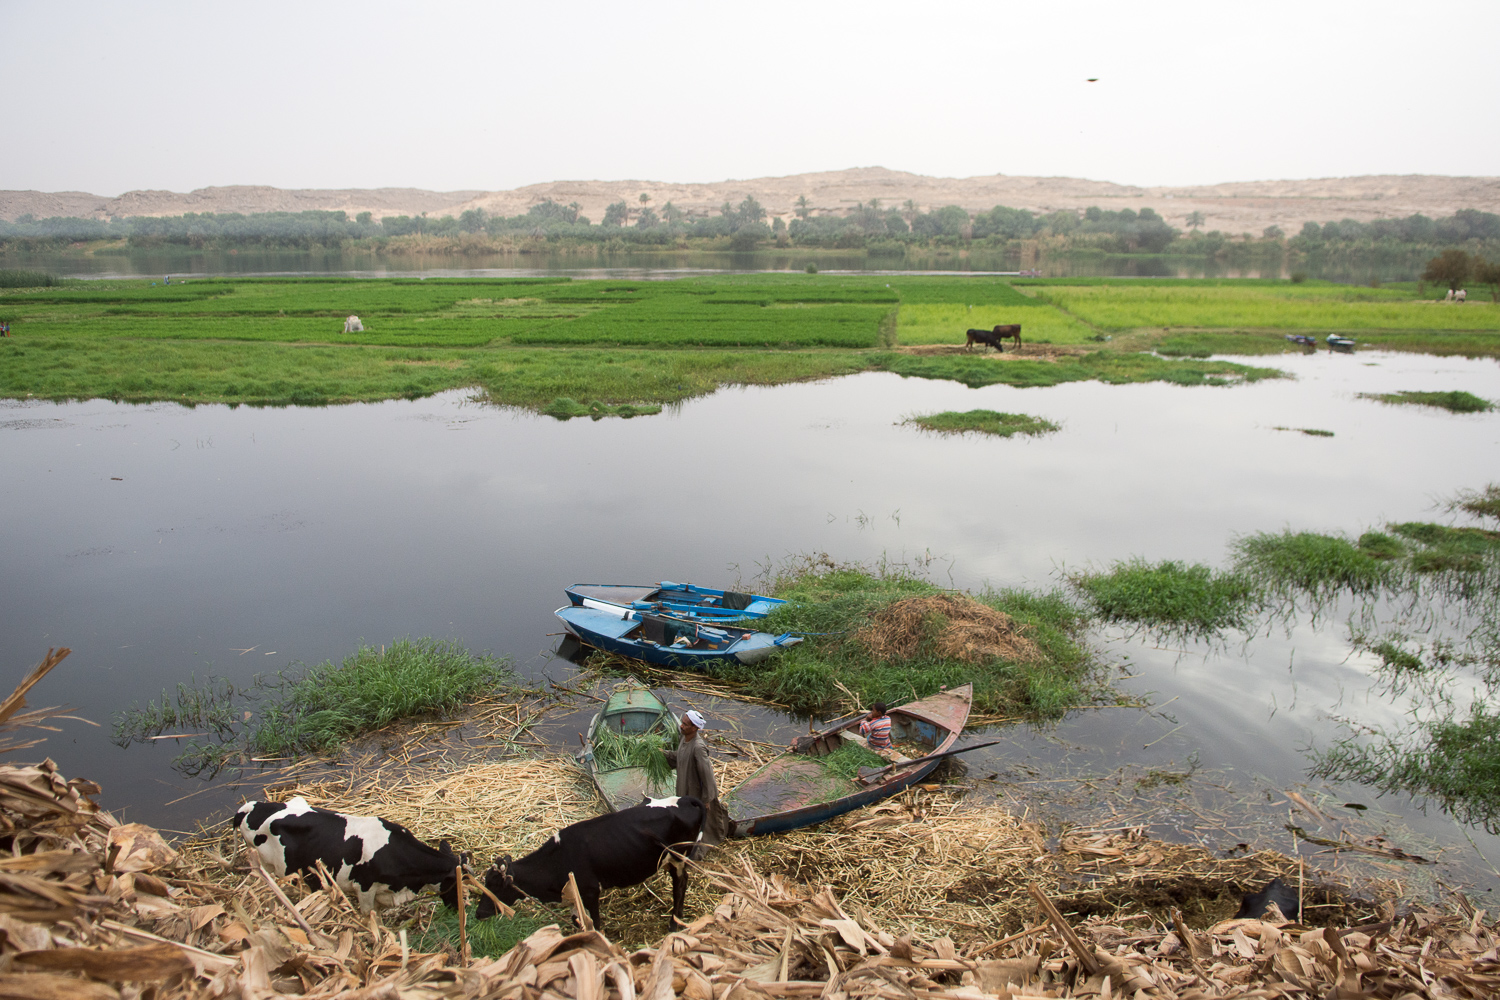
column 958, row 627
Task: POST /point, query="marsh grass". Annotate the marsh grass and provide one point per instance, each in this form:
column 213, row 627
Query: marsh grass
column 1456, row 401
column 1102, row 366
column 985, row 422
column 1309, row 431
column 832, row 604
column 328, row 703
column 1452, row 760
column 1446, row 549
column 564, row 408
column 208, row 704
column 1171, row 597
column 1482, row 503
column 1320, row 566
column 14, row 278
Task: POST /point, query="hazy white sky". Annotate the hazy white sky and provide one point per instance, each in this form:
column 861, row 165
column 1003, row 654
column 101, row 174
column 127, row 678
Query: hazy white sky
column 108, row 97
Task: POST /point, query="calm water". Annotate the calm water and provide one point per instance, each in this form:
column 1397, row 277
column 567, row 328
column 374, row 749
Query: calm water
column 668, row 265
column 241, row 541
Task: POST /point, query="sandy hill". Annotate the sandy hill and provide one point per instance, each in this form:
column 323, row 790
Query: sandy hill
column 1247, row 206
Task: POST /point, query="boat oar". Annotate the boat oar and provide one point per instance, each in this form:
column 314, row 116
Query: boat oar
column 866, row 774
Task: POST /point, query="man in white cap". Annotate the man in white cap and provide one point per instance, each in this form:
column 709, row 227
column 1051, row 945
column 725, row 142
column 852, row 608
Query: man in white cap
column 695, row 772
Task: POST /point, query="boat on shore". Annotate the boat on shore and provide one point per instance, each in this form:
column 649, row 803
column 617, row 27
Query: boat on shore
column 1344, row 345
column 668, row 641
column 680, row 599
column 633, row 723
column 803, row 786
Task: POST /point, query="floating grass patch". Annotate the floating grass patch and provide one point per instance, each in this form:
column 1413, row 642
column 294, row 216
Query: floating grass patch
column 1103, row 366
column 1318, row 565
column 1379, row 545
column 1483, row 503
column 1455, row 401
column 1309, row 431
column 1452, row 760
column 1448, row 549
column 894, row 637
column 564, row 408
column 328, row 703
column 985, row 422
column 643, row 750
column 1170, row 596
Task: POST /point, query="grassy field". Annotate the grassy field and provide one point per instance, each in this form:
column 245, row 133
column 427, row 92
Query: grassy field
column 575, row 348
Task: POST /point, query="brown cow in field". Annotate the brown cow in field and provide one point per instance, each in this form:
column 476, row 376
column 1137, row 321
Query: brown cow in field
column 995, row 338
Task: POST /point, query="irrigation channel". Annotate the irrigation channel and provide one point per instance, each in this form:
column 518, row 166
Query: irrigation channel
column 161, row 542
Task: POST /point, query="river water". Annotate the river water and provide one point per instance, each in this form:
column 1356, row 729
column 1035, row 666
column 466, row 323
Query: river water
column 161, row 542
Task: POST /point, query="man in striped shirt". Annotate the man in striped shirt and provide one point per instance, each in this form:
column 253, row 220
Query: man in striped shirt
column 876, row 728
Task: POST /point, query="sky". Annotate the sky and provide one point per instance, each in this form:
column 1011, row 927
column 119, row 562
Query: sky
column 452, row 95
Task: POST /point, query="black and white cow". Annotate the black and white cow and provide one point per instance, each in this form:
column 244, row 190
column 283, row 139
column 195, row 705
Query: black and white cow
column 378, row 861
column 606, row 852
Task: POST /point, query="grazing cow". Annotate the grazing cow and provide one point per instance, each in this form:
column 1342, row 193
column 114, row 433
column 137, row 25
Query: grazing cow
column 995, row 338
column 379, row 861
column 606, row 852
column 353, row 325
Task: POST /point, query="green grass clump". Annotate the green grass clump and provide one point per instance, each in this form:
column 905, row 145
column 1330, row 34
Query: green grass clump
column 327, row 704
column 1445, row 549
column 489, row 938
column 209, row 704
column 1452, row 760
column 1101, row 366
column 1318, row 565
column 1456, row 401
column 643, row 750
column 1309, row 431
column 1170, row 596
column 1480, row 503
column 1379, row 545
column 985, row 422
column 15, row 278
column 813, row 676
column 564, row 408
column 1396, row 657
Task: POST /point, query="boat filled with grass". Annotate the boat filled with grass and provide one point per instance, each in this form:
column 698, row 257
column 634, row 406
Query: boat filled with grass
column 623, row 752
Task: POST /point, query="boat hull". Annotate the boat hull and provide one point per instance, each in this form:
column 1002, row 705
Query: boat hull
column 619, row 633
column 680, row 599
column 773, row 800
column 630, row 708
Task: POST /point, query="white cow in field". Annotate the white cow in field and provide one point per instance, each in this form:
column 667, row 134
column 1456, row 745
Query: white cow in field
column 1461, row 295
column 353, row 325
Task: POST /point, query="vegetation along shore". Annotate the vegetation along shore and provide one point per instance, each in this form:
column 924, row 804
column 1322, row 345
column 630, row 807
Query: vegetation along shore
column 609, row 347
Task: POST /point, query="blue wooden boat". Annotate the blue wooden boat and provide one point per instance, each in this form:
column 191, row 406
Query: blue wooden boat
column 678, row 599
column 667, row 641
column 795, row 790
column 1303, row 339
column 1337, row 343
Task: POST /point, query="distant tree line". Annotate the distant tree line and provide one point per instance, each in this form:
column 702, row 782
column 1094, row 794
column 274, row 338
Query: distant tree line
column 867, row 225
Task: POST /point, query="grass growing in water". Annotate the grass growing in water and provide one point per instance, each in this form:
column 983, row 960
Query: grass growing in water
column 1455, row 761
column 330, row 703
column 643, row 750
column 985, row 422
column 812, row 677
column 1461, row 550
column 1309, row 431
column 1101, row 366
column 13, row 278
column 206, row 705
column 1480, row 503
column 1318, row 565
column 1171, row 596
column 1455, row 401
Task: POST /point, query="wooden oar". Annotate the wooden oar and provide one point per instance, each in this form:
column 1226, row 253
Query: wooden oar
column 866, row 774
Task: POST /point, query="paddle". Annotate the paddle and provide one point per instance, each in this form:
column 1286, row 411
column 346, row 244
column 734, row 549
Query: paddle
column 867, row 773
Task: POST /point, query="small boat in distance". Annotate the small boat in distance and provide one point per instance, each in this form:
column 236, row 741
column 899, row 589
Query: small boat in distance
column 1344, row 345
column 621, row 732
column 797, row 789
column 677, row 642
column 675, row 599
column 1303, row 339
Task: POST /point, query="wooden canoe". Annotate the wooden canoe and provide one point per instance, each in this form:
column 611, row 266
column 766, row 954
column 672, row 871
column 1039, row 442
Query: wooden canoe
column 630, row 709
column 794, row 790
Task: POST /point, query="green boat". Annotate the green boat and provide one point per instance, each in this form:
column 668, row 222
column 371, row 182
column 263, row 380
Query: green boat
column 633, row 726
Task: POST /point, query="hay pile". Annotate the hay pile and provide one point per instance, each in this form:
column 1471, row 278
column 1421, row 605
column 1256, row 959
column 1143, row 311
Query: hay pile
column 956, row 626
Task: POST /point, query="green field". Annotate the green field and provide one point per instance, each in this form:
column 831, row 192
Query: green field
column 620, row 347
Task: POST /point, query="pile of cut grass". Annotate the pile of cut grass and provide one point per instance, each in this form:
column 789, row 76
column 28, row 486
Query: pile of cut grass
column 1455, row 401
column 849, row 758
column 985, row 422
column 1171, row 597
column 835, row 607
column 643, row 750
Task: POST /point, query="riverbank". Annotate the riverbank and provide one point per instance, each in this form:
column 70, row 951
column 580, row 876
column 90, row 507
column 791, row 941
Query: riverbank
column 591, row 347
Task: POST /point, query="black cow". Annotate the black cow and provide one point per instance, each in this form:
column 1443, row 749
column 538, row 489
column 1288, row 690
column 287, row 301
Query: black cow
column 606, row 852
column 995, row 338
column 1275, row 891
column 381, row 862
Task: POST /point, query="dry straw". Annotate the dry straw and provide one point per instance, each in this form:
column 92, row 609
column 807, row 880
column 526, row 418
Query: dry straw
column 959, row 628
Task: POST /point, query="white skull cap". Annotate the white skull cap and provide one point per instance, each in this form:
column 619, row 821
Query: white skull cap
column 696, row 718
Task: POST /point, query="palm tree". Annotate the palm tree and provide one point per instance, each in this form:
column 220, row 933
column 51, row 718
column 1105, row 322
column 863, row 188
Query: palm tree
column 1195, row 220
column 803, row 207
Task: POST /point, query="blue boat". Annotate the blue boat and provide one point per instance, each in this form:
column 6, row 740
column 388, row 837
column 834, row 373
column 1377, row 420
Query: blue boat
column 1303, row 339
column 678, row 599
column 667, row 641
column 1342, row 344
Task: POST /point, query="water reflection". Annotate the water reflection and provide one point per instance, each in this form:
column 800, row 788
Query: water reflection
column 159, row 541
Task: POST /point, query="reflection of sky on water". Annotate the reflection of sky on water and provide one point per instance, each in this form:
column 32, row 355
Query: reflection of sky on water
column 238, row 541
